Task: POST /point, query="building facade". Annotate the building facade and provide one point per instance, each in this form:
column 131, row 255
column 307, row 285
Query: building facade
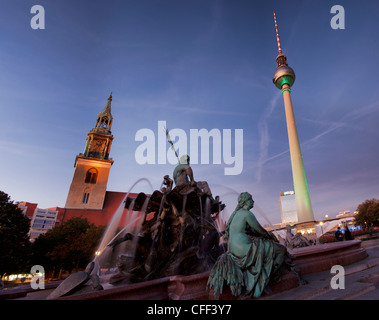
column 41, row 220
column 288, row 207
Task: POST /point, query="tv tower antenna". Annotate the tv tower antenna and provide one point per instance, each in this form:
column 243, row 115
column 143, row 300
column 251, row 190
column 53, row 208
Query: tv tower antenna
column 277, row 35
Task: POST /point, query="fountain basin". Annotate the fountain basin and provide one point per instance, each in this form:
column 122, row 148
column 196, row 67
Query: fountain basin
column 193, row 287
column 322, row 257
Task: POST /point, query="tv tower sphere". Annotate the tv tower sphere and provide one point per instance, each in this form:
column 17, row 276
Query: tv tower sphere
column 284, row 73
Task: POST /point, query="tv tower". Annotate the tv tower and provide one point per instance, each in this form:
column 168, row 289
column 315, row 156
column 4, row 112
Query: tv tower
column 284, row 77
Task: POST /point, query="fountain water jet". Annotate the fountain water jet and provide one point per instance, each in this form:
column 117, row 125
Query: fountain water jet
column 114, row 223
column 260, row 211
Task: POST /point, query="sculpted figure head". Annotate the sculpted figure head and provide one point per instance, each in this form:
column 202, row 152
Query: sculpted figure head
column 185, row 159
column 245, row 200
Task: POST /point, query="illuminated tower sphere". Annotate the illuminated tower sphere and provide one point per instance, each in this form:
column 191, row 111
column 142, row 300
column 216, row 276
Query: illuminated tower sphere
column 89, row 183
column 284, row 78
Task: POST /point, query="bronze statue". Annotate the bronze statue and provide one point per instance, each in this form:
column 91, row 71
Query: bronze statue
column 178, row 233
column 167, row 183
column 254, row 256
column 295, row 241
column 183, row 174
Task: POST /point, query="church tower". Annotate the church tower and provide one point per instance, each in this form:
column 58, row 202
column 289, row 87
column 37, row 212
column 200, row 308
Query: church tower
column 89, row 184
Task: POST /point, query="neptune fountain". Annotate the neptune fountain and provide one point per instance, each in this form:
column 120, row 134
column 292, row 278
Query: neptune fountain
column 181, row 237
column 176, row 234
column 177, row 251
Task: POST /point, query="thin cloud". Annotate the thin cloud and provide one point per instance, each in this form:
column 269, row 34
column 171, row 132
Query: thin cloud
column 264, row 135
column 28, row 150
column 347, row 121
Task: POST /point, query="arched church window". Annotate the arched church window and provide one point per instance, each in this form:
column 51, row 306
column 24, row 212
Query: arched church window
column 85, row 197
column 91, row 176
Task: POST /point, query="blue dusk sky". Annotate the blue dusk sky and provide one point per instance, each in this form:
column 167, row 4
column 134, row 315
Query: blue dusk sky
column 193, row 64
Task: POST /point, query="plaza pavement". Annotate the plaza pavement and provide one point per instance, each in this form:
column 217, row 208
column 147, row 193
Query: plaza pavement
column 361, row 281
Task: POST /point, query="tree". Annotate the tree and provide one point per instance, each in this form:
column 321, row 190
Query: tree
column 68, row 246
column 14, row 239
column 368, row 213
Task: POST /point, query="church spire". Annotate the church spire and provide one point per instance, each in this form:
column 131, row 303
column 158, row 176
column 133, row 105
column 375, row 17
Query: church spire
column 100, row 138
column 107, row 108
column 105, row 118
